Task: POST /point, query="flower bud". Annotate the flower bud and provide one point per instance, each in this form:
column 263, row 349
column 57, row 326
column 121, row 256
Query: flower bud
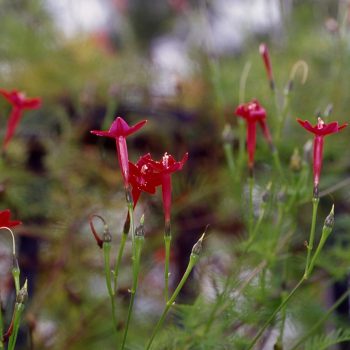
column 128, row 197
column 197, row 248
column 107, row 238
column 295, row 161
column 16, row 272
column 227, row 134
column 328, row 111
column 140, row 230
column 264, row 52
column 282, row 196
column 267, row 193
column 307, row 156
column 329, row 222
column 22, row 295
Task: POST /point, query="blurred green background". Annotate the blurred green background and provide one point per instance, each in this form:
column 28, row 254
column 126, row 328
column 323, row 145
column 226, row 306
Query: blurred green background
column 177, row 64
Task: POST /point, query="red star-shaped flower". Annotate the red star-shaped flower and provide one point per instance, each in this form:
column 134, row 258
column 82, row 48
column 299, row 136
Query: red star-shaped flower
column 119, row 130
column 5, row 219
column 253, row 112
column 164, row 169
column 19, row 104
column 320, row 130
column 143, row 178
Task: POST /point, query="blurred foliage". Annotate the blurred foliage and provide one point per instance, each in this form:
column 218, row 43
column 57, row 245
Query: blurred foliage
column 84, row 82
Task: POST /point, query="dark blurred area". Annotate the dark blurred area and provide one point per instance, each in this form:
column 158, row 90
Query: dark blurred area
column 178, row 64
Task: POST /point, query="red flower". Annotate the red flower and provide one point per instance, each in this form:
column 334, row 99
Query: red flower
column 320, row 130
column 264, row 52
column 19, row 104
column 119, row 130
column 5, row 219
column 252, row 112
column 164, row 169
column 143, row 178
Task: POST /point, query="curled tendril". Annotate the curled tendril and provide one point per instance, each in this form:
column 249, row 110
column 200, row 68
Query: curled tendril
column 98, row 239
column 13, row 239
column 301, row 64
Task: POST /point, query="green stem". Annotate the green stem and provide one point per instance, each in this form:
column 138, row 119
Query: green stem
column 283, row 320
column 276, row 159
column 167, row 241
column 276, row 233
column 191, row 264
column 229, row 158
column 107, row 265
column 119, row 260
column 109, row 116
column 132, row 225
column 326, row 231
column 241, row 148
column 16, row 323
column 310, row 244
column 321, row 320
column 138, row 242
column 241, row 124
column 251, row 207
column 256, row 229
column 282, row 117
column 270, row 319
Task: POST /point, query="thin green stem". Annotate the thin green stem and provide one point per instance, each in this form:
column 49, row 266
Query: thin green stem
column 321, row 320
column 138, row 242
column 310, row 244
column 243, row 82
column 276, row 159
column 132, row 224
column 16, row 323
column 252, row 238
column 119, row 260
column 228, row 287
column 229, row 158
column 170, row 302
column 241, row 148
column 251, row 207
column 282, row 117
column 270, row 319
column 326, row 231
column 283, row 319
column 107, row 266
column 167, row 241
column 241, row 97
column 109, row 116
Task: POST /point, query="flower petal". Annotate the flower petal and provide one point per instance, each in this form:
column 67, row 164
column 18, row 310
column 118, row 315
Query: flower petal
column 306, row 125
column 136, row 127
column 32, row 103
column 102, row 133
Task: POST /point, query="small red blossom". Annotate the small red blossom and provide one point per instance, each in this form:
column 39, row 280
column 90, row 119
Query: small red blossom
column 164, row 169
column 5, row 219
column 19, row 103
column 253, row 112
column 320, row 130
column 264, row 52
column 119, row 130
column 143, row 178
